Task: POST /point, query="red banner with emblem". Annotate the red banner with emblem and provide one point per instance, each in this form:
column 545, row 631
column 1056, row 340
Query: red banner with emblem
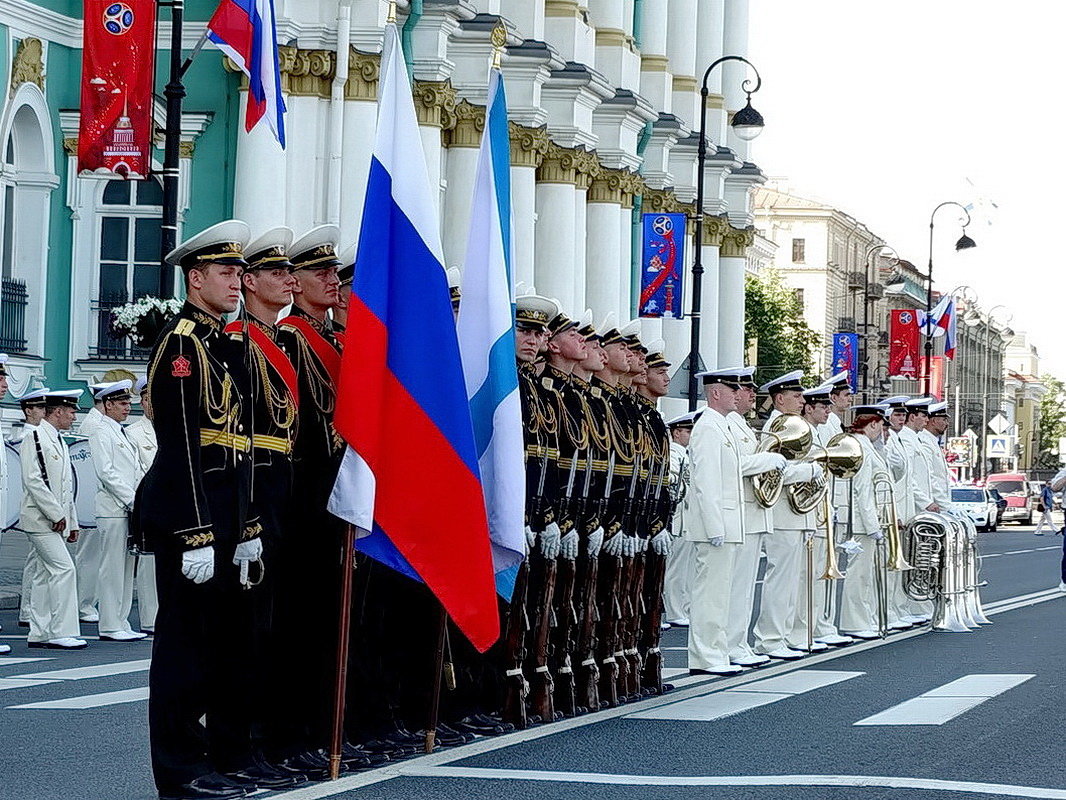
column 903, row 344
column 117, row 71
column 937, row 376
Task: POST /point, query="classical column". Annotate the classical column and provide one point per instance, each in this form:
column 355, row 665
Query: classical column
column 709, row 48
column 360, row 123
column 681, row 48
column 527, row 16
column 528, row 146
column 731, row 271
column 606, row 275
column 555, row 236
column 714, row 230
column 735, row 39
column 260, row 186
column 463, row 142
column 655, row 78
column 434, row 106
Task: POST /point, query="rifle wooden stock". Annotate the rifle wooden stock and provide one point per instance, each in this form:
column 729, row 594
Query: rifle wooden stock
column 633, row 625
column 514, row 706
column 541, row 701
column 610, row 618
column 587, row 673
column 653, row 660
column 565, row 628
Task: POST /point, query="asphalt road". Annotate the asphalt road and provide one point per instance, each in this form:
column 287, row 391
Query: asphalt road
column 785, row 732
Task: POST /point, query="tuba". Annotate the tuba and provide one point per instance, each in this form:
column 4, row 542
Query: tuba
column 840, row 458
column 791, row 436
column 936, row 549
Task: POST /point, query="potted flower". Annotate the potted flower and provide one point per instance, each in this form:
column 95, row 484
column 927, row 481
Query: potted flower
column 143, row 320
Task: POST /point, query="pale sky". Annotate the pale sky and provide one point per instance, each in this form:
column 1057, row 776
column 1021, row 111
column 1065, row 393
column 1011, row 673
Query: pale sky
column 885, row 109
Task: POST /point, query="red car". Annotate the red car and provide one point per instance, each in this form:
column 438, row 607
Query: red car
column 1012, row 486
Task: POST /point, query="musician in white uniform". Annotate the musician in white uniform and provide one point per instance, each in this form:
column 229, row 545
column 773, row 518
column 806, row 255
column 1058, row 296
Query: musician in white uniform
column 899, row 605
column 716, row 520
column 858, row 605
column 89, row 554
column 142, row 434
column 679, row 563
column 50, row 520
column 118, row 470
column 840, row 397
column 817, row 410
column 785, row 545
column 921, row 486
column 939, row 472
column 758, row 522
column 32, row 406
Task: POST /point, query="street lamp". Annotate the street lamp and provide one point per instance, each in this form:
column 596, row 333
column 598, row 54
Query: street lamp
column 747, row 123
column 879, row 250
column 964, row 243
column 985, row 386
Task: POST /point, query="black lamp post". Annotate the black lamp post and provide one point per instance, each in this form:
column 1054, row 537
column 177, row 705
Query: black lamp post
column 747, row 124
column 865, row 362
column 964, row 243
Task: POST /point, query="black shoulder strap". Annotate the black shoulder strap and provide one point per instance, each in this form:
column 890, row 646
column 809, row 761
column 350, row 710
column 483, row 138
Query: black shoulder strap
column 40, row 459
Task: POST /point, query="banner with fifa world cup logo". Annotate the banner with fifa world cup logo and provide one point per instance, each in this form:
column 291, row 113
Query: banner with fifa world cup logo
column 903, row 338
column 662, row 265
column 846, row 356
column 117, row 70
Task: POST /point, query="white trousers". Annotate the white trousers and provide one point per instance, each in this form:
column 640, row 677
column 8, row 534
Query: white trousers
column 54, row 589
column 824, row 613
column 677, row 587
column 858, row 605
column 27, row 585
column 147, row 600
column 115, row 586
column 742, row 596
column 88, row 558
column 709, row 612
column 780, row 587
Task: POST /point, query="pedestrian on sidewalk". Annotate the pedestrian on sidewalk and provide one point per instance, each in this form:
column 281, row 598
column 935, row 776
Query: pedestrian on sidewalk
column 1047, row 502
column 1058, row 483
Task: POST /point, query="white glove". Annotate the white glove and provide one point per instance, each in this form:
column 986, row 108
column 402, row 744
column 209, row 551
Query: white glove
column 717, row 541
column 661, row 543
column 642, row 544
column 779, row 462
column 615, row 545
column 818, row 478
column 198, row 565
column 629, row 547
column 549, row 540
column 808, row 536
column 877, row 536
column 851, row 547
column 248, row 552
column 595, row 543
column 531, row 539
column 568, row 545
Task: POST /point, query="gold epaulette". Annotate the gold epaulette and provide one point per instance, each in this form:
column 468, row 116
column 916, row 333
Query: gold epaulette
column 185, row 327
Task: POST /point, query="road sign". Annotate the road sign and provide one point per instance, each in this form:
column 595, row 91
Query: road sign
column 998, row 424
column 960, row 451
column 999, row 446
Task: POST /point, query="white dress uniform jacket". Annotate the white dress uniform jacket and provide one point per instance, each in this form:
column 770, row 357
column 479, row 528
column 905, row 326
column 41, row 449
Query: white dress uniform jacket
column 142, row 434
column 939, row 472
column 679, row 564
column 858, row 606
column 921, row 489
column 89, row 554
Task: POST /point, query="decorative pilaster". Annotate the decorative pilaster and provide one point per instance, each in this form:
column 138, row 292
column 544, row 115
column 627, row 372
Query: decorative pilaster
column 586, row 169
column 469, row 123
column 435, row 103
column 715, row 231
column 528, row 145
column 734, row 241
column 364, row 69
column 28, row 65
column 306, row 73
column 558, row 165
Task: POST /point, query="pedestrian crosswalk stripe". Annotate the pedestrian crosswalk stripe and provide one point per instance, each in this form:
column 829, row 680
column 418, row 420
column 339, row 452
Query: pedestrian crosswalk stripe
column 20, row 683
column 946, row 702
column 91, row 700
column 96, row 671
column 733, row 701
column 10, row 662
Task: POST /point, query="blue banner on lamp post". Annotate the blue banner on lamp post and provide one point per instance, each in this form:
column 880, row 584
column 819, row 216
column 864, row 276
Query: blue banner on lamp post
column 661, row 265
column 846, row 356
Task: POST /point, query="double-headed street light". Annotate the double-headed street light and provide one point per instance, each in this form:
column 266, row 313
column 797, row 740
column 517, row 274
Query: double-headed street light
column 964, row 243
column 747, row 123
column 877, row 249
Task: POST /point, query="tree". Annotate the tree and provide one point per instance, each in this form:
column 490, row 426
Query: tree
column 773, row 322
column 1052, row 423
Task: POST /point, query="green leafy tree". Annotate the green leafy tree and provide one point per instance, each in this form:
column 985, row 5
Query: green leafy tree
column 774, row 324
column 1052, row 423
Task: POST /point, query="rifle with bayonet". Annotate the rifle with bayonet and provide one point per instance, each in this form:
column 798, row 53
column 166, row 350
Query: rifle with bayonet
column 635, row 620
column 587, row 674
column 565, row 615
column 652, row 678
column 623, row 601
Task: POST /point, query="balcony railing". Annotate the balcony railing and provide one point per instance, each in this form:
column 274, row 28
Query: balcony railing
column 108, row 346
column 13, row 301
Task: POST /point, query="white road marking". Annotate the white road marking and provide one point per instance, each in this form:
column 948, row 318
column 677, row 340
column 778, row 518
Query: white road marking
column 1017, row 552
column 20, row 683
column 97, row 671
column 946, row 702
column 890, row 782
column 733, row 701
column 91, row 700
column 10, row 662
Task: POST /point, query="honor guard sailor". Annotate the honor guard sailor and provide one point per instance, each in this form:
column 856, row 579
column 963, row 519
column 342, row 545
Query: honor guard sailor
column 142, row 435
column 89, row 553
column 118, row 473
column 50, row 521
column 679, row 564
column 193, row 507
column 716, row 520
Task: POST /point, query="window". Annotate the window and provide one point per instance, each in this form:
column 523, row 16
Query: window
column 797, row 294
column 799, row 254
column 127, row 259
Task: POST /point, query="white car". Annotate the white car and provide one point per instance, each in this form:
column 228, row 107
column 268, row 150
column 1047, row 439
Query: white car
column 978, row 504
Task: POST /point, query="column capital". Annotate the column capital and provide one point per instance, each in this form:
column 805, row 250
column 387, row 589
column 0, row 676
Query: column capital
column 435, row 103
column 558, row 165
column 364, row 69
column 715, row 230
column 736, row 241
column 306, row 73
column 528, row 145
column 663, row 200
column 587, row 168
column 467, row 121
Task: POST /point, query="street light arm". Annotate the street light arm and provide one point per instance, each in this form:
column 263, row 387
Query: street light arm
column 747, row 81
column 951, row 203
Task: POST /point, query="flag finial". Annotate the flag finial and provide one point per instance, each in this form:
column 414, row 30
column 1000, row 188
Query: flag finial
column 392, row 13
column 499, row 41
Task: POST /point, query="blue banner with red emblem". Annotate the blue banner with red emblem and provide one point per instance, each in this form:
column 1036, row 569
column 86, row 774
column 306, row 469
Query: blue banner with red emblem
column 846, row 356
column 662, row 266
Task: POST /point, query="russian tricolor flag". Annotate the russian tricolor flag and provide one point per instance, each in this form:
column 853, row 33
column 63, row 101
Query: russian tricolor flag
column 410, row 479
column 942, row 322
column 246, row 31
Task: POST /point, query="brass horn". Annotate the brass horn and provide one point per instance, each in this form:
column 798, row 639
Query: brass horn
column 791, row 436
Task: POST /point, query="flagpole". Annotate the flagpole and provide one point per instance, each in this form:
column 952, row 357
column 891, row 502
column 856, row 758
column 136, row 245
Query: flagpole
column 174, row 93
column 438, row 674
column 343, row 630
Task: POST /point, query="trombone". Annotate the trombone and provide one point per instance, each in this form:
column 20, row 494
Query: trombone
column 888, row 553
column 791, row 436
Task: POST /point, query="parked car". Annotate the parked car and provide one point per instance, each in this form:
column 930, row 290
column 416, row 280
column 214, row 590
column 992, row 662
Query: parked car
column 1001, row 504
column 1012, row 486
column 979, row 505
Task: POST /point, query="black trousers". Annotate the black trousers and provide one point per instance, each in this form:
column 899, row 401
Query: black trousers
column 200, row 668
